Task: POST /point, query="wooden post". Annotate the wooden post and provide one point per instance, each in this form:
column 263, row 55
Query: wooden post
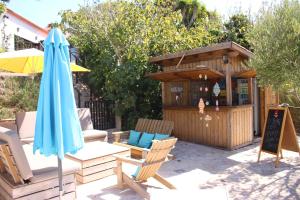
column 163, row 88
column 117, row 138
column 256, row 107
column 259, row 153
column 119, row 174
column 250, row 91
column 228, row 85
column 2, row 168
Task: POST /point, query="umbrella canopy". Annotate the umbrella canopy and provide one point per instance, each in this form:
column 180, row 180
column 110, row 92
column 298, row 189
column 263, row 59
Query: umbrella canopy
column 28, row 61
column 57, row 129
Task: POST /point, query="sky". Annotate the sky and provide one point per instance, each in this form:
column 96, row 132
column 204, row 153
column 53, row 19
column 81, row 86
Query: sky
column 43, row 12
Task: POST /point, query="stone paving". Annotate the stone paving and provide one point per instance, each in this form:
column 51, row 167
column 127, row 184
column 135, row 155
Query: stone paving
column 202, row 172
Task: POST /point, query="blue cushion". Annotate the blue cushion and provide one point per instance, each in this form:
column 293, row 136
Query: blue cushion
column 159, row 136
column 134, row 137
column 146, row 140
column 136, row 172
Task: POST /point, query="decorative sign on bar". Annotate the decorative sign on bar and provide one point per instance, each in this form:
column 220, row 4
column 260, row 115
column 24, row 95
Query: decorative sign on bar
column 176, row 89
column 279, row 133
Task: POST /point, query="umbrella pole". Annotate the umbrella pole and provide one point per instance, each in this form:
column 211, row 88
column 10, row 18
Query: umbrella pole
column 61, row 192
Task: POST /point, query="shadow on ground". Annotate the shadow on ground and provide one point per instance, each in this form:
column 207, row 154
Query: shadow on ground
column 236, row 174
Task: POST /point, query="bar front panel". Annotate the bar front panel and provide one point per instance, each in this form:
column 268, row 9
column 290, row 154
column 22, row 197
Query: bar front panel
column 230, row 127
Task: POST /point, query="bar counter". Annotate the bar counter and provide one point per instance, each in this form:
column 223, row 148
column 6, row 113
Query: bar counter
column 231, row 127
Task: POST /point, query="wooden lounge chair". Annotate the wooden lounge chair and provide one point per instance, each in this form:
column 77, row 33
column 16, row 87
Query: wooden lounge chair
column 143, row 125
column 25, row 123
column 25, row 176
column 148, row 167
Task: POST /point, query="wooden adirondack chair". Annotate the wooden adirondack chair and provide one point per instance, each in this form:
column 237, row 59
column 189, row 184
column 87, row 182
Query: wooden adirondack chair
column 148, row 167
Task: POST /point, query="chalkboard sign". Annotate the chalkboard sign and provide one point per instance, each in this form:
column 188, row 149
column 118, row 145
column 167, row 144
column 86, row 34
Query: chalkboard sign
column 279, row 133
column 273, row 130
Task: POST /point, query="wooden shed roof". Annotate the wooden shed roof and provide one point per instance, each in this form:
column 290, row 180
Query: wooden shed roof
column 183, row 74
column 220, row 49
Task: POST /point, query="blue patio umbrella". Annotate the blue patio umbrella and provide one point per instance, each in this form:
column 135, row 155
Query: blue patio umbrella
column 57, row 129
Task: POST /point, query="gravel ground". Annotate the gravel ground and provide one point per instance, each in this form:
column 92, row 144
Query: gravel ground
column 201, row 172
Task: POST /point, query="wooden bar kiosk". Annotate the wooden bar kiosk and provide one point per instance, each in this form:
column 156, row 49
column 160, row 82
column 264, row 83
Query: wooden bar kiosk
column 218, row 76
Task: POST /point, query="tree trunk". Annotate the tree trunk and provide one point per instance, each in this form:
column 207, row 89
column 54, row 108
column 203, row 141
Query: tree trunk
column 193, row 18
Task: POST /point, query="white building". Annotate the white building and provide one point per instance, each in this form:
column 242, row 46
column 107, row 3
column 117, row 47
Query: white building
column 17, row 32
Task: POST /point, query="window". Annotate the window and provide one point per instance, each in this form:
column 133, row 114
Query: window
column 200, row 89
column 21, row 43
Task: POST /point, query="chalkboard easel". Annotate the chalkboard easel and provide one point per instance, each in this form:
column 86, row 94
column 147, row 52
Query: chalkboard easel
column 279, row 133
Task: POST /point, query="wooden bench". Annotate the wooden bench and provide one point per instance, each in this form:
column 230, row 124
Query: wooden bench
column 144, row 125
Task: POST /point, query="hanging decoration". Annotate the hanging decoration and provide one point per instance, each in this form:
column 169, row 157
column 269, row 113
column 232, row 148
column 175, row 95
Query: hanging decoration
column 207, row 119
column 177, row 98
column 216, row 91
column 201, row 106
column 203, row 88
column 178, row 91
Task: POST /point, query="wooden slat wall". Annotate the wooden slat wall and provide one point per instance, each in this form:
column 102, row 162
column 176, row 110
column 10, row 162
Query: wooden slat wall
column 242, row 127
column 214, row 63
column 189, row 126
column 228, row 128
column 268, row 97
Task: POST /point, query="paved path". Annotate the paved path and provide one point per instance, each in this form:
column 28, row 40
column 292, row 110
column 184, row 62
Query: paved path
column 201, row 172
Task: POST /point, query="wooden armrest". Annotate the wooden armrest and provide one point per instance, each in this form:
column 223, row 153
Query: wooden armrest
column 143, row 151
column 146, row 151
column 117, row 135
column 129, row 160
column 120, row 132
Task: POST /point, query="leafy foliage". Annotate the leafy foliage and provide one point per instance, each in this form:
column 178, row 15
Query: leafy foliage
column 236, row 29
column 3, row 6
column 275, row 39
column 18, row 94
column 115, row 40
column 195, row 14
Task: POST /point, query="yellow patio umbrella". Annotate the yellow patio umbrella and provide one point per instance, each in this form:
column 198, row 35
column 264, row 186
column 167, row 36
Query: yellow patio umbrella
column 28, row 61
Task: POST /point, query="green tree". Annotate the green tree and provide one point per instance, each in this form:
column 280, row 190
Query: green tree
column 190, row 11
column 194, row 13
column 275, row 39
column 236, row 29
column 115, row 40
column 3, row 6
column 18, row 94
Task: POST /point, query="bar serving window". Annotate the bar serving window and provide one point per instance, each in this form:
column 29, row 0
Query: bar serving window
column 240, row 92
